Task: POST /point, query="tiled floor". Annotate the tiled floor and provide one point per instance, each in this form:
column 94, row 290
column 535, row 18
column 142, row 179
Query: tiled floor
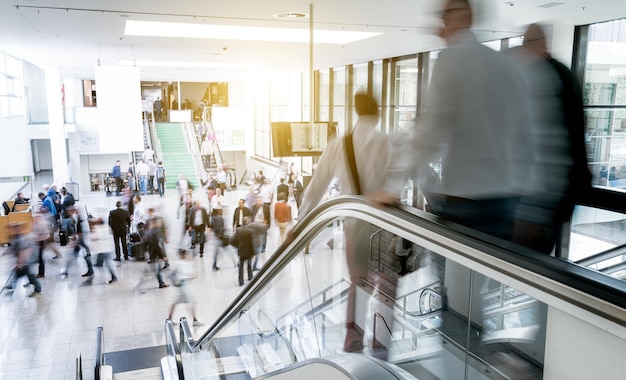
column 40, row 337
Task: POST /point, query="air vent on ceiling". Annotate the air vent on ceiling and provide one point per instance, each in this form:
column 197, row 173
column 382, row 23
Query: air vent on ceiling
column 550, row 5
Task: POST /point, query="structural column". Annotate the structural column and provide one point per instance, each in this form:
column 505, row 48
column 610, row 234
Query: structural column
column 56, row 124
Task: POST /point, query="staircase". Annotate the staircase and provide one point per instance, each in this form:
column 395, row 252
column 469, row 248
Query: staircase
column 176, row 157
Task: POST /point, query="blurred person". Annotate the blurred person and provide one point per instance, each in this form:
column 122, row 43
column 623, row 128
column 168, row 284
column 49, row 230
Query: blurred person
column 182, row 186
column 101, row 247
column 153, row 239
column 282, row 188
column 475, row 122
column 259, row 224
column 116, row 173
column 251, row 197
column 148, row 154
column 206, row 150
column 334, row 162
column 158, row 106
column 160, row 177
column 240, row 212
column 561, row 176
column 197, row 225
column 217, row 222
column 244, row 241
column 77, row 232
column 181, row 277
column 297, row 190
column 43, row 235
column 210, row 186
column 153, row 170
column 217, row 203
column 67, row 200
column 20, row 200
column 138, row 215
column 267, row 195
column 119, row 221
column 22, row 249
column 131, row 175
column 222, row 179
column 282, row 215
column 155, row 219
column 143, row 173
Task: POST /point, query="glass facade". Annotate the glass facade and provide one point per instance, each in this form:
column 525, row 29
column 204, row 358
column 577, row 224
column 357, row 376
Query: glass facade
column 11, row 88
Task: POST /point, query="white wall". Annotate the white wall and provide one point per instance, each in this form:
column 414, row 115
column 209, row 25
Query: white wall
column 119, row 109
column 15, row 155
column 578, row 350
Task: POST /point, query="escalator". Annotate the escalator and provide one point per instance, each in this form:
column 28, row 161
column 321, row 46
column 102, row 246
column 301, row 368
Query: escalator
column 474, row 308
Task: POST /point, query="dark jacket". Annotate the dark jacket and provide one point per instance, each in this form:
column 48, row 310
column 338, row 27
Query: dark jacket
column 119, row 221
column 282, row 188
column 246, row 212
column 244, row 242
column 192, row 218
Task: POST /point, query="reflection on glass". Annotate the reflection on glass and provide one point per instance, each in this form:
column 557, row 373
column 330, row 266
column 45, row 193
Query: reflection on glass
column 437, row 320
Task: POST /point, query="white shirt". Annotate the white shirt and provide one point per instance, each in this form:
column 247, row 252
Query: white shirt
column 142, row 169
column 475, row 122
column 217, row 202
column 266, row 193
column 333, row 163
column 148, row 154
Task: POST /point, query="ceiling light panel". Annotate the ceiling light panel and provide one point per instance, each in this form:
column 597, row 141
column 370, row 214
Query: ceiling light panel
column 241, row 33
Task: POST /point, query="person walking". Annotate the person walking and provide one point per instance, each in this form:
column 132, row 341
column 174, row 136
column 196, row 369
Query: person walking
column 244, row 241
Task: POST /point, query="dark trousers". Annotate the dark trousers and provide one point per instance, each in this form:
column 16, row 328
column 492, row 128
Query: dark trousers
column 81, row 243
column 494, row 216
column 120, row 239
column 24, row 271
column 118, row 185
column 248, row 263
column 197, row 237
column 42, row 265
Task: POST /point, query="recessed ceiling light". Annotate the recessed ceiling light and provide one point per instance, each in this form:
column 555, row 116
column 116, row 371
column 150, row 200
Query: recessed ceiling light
column 550, row 5
column 241, row 33
column 291, row 15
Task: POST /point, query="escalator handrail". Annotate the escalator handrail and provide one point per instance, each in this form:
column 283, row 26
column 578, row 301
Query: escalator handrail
column 186, row 338
column 99, row 352
column 602, row 256
column 588, row 290
column 173, row 350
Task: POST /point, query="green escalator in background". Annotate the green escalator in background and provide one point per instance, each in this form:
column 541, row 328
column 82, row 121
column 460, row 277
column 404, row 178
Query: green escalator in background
column 175, row 154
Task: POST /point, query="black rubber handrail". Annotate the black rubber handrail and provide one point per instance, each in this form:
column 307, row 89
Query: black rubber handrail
column 173, row 350
column 99, row 353
column 481, row 249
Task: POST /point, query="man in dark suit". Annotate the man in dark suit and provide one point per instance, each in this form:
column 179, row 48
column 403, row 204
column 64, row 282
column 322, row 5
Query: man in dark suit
column 119, row 221
column 197, row 225
column 244, row 241
column 298, row 189
column 282, row 188
column 240, row 212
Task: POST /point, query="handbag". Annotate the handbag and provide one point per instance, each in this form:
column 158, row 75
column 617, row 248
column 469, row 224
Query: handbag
column 354, row 174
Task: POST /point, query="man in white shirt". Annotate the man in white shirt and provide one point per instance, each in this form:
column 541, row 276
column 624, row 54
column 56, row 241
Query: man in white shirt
column 148, row 154
column 143, row 172
column 334, row 164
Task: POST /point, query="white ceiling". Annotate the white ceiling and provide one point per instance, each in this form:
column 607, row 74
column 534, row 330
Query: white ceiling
column 75, row 35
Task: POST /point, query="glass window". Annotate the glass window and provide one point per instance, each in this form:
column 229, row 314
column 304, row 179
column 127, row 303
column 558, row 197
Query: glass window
column 11, row 102
column 605, row 85
column 324, row 95
column 339, row 99
column 406, row 94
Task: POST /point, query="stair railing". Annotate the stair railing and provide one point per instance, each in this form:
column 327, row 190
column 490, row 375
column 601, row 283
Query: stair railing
column 192, row 144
